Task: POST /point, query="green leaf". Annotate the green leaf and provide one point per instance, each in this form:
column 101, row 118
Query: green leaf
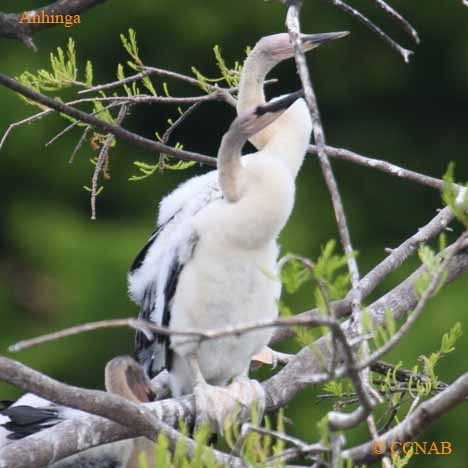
column 449, row 339
column 89, row 74
column 454, row 197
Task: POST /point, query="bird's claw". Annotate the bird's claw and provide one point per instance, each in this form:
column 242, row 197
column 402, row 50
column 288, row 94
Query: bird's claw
column 217, row 406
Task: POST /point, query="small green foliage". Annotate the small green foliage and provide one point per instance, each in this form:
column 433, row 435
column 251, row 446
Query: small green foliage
column 328, row 270
column 230, row 76
column 130, row 45
column 330, row 282
column 324, row 431
column 334, row 387
column 294, row 274
column 449, row 339
column 455, row 198
column 432, row 262
column 63, row 74
column 148, row 170
column 89, row 189
column 89, row 74
column 303, row 335
column 104, row 114
column 430, row 362
column 399, row 461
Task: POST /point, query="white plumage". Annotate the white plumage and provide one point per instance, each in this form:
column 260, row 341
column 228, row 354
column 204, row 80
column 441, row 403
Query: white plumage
column 211, row 263
column 220, row 255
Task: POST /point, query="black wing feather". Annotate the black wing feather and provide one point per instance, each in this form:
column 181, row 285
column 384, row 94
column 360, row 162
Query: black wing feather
column 27, row 420
column 154, row 352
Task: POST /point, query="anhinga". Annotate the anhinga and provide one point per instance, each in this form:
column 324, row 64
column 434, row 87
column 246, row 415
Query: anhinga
column 152, row 279
column 216, row 268
column 31, row 414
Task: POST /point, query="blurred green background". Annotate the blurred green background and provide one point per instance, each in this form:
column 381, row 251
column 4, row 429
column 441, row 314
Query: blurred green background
column 58, row 268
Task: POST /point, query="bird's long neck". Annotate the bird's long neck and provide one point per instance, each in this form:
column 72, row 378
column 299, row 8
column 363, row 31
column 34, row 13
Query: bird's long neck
column 229, row 164
column 285, row 136
column 254, row 72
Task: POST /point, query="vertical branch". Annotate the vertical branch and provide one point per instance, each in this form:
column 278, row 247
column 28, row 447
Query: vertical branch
column 293, row 25
column 294, row 29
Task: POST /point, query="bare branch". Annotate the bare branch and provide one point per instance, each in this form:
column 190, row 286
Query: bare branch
column 117, row 409
column 399, row 19
column 192, row 334
column 405, row 53
column 79, row 144
column 381, row 165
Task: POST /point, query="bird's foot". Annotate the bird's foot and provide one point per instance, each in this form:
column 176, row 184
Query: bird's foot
column 271, row 357
column 218, row 406
column 160, row 385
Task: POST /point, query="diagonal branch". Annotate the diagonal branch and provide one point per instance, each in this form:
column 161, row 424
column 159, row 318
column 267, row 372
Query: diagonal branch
column 107, row 127
column 280, row 389
column 124, row 420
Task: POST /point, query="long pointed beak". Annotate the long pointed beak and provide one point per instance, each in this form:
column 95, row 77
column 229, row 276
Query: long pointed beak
column 314, row 40
column 256, row 119
column 280, row 104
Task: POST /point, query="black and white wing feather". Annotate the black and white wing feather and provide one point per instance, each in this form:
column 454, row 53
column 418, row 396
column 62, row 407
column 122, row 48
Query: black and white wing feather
column 159, row 270
column 155, row 272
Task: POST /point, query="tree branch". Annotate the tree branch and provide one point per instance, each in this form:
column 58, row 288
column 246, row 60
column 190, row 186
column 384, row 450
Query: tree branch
column 70, row 436
column 387, row 266
column 10, row 26
column 305, row 369
column 124, row 420
column 417, row 422
column 107, row 127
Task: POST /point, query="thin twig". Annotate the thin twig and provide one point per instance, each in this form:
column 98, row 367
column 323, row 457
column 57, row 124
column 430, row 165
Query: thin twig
column 399, row 19
column 107, row 127
column 149, row 71
column 74, row 124
column 79, row 144
column 103, row 156
column 30, row 119
column 426, row 414
column 420, row 306
column 405, row 53
column 167, row 134
column 149, row 327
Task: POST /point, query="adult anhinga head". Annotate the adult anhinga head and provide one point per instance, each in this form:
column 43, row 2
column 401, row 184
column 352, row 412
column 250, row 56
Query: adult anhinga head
column 244, row 126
